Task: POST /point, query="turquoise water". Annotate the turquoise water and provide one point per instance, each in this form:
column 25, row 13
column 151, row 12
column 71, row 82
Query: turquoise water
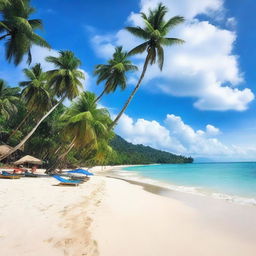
column 224, row 180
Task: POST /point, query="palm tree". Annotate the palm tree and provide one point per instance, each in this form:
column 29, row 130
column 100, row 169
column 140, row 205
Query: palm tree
column 36, row 95
column 19, row 30
column 114, row 73
column 8, row 99
column 86, row 125
column 154, row 33
column 64, row 81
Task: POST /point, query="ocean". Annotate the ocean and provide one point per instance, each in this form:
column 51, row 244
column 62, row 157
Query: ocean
column 234, row 182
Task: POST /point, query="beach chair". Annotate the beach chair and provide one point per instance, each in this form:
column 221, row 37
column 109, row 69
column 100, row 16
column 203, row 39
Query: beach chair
column 7, row 175
column 66, row 182
column 81, row 171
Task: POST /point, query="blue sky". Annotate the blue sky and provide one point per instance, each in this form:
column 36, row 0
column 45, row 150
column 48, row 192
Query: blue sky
column 202, row 104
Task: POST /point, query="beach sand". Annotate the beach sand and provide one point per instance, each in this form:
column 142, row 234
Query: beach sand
column 112, row 217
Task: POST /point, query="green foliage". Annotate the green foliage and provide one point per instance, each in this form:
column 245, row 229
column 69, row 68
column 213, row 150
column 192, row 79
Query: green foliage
column 128, row 153
column 36, row 94
column 114, row 73
column 8, row 99
column 19, row 30
column 65, row 80
column 154, row 33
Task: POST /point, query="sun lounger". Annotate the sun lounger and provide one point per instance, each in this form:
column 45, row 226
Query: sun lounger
column 81, row 171
column 67, row 182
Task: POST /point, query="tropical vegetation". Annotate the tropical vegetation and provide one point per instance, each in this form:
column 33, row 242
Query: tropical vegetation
column 34, row 118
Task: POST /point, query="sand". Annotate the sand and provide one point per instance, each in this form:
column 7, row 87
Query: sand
column 111, row 217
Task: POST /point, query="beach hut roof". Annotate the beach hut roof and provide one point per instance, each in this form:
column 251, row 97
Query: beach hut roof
column 4, row 149
column 29, row 159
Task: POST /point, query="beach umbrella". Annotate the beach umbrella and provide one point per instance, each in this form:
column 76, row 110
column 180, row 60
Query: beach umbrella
column 29, row 160
column 81, row 171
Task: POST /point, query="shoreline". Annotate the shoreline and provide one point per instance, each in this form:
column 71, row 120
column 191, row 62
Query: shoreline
column 190, row 225
column 110, row 217
column 165, row 188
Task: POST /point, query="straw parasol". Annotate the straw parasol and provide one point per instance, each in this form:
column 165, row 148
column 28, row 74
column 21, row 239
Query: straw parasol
column 4, row 149
column 29, row 160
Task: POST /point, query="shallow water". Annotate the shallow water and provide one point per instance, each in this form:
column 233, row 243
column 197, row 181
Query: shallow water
column 231, row 181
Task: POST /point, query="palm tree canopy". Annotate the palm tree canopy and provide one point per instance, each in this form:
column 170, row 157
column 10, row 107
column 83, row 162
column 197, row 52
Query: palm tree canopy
column 154, row 33
column 65, row 80
column 87, row 123
column 114, row 73
column 19, row 30
column 36, row 94
column 8, row 99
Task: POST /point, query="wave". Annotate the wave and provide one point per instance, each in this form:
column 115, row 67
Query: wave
column 135, row 176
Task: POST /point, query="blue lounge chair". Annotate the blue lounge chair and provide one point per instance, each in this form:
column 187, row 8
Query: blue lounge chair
column 81, row 171
column 67, row 182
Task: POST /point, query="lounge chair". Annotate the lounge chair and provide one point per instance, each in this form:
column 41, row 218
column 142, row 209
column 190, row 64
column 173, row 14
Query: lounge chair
column 7, row 175
column 81, row 171
column 67, row 182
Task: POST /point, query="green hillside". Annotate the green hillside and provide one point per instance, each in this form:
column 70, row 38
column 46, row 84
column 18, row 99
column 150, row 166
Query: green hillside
column 128, row 153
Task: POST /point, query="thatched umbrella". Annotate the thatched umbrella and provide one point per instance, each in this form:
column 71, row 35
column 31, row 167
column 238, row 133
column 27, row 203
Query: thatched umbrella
column 29, row 160
column 4, row 149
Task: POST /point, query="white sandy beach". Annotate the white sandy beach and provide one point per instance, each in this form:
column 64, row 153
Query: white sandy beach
column 110, row 217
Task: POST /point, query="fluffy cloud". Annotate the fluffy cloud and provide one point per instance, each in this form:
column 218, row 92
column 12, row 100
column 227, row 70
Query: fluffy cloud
column 204, row 67
column 180, row 138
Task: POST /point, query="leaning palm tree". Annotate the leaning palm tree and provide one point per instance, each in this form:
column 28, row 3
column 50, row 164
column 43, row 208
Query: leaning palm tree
column 86, row 126
column 64, row 81
column 36, row 94
column 8, row 99
column 154, row 33
column 19, row 30
column 114, row 73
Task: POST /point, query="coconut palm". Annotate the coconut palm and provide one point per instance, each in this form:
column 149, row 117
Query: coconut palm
column 19, row 30
column 8, row 99
column 35, row 94
column 64, row 81
column 86, row 125
column 154, row 33
column 114, row 73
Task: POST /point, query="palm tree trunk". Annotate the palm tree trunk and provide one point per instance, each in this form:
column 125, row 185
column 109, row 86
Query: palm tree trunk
column 32, row 131
column 132, row 94
column 99, row 97
column 61, row 157
column 21, row 123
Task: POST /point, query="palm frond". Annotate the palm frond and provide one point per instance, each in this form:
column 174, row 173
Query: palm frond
column 139, row 49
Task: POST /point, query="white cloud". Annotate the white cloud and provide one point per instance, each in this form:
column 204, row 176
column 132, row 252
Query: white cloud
column 204, row 67
column 38, row 56
column 180, row 138
column 211, row 130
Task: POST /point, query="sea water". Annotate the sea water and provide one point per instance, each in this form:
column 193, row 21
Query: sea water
column 230, row 181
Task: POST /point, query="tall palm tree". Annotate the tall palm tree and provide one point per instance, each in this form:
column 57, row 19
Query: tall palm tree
column 35, row 94
column 154, row 33
column 64, row 81
column 8, row 99
column 19, row 30
column 114, row 73
column 86, row 125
